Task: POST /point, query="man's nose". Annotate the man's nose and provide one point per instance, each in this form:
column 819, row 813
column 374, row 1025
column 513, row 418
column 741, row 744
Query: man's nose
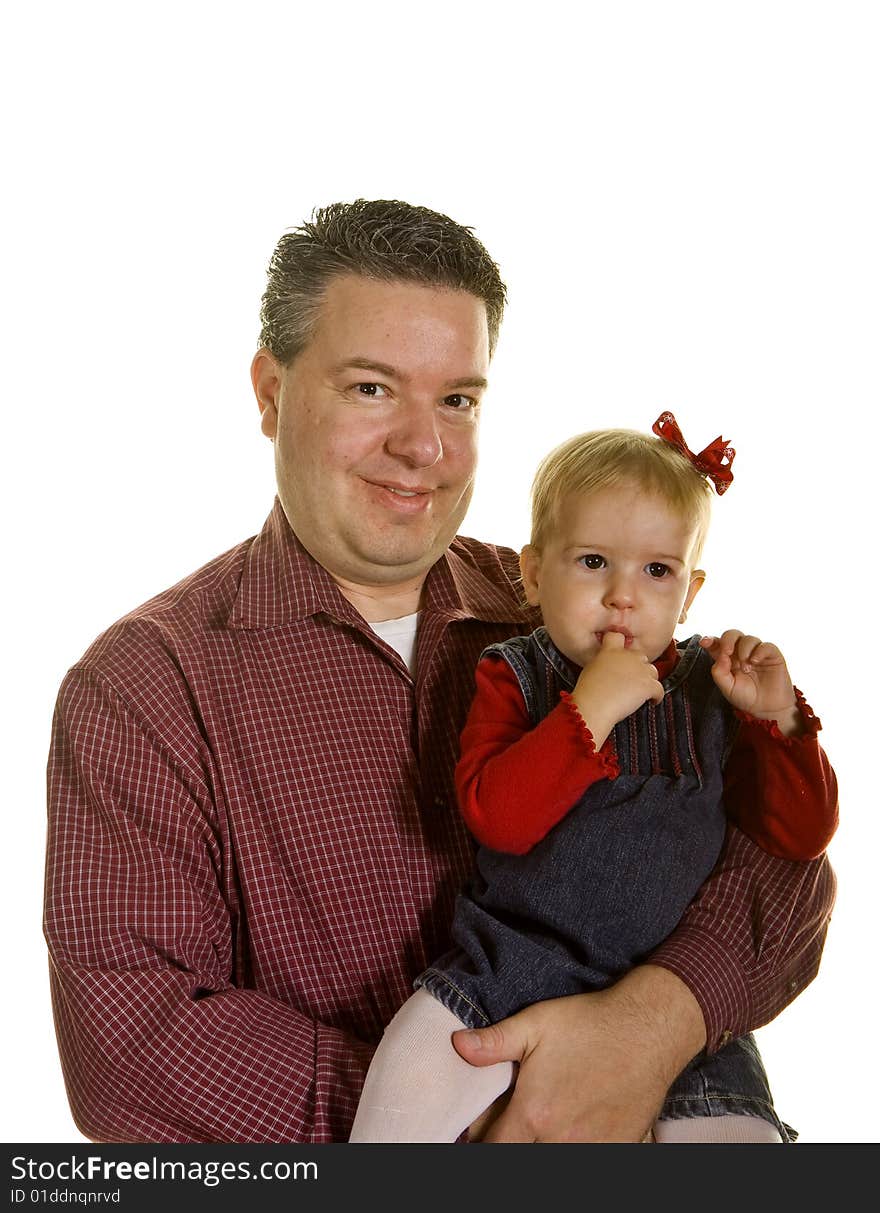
column 415, row 435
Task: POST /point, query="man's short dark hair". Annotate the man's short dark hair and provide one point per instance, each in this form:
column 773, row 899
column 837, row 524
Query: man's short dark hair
column 388, row 241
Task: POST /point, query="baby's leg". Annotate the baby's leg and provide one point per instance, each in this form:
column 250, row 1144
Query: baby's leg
column 417, row 1087
column 691, row 1129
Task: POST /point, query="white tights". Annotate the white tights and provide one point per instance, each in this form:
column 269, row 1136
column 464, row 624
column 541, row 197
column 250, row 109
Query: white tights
column 418, row 1089
column 742, row 1129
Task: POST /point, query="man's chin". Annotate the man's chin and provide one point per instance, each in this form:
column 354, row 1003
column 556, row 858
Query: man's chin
column 395, row 564
column 403, row 552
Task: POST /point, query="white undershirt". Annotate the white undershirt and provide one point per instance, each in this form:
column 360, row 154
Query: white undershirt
column 400, row 635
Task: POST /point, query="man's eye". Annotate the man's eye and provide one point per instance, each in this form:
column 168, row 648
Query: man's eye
column 592, row 561
column 657, row 569
column 460, row 403
column 373, row 390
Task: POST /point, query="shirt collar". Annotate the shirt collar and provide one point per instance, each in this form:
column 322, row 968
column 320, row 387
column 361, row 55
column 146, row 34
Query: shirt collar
column 470, row 582
column 281, row 583
column 667, row 661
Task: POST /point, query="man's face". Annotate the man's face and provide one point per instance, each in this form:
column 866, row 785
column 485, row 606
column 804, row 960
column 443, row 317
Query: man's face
column 375, row 426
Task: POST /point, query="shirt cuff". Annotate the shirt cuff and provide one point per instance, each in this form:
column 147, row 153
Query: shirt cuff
column 714, row 978
column 812, row 723
column 605, row 757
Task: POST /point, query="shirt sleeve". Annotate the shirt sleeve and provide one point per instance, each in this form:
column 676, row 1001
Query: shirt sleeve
column 752, row 939
column 515, row 781
column 157, row 1043
column 779, row 790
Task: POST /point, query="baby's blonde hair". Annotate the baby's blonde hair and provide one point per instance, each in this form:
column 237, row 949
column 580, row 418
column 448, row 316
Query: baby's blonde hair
column 601, row 459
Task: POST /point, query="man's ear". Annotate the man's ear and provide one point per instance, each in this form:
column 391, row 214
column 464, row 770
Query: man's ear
column 530, row 568
column 266, row 378
column 698, row 577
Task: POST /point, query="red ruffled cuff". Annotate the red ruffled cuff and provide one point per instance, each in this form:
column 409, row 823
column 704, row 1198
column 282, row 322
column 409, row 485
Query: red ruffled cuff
column 812, row 723
column 606, row 757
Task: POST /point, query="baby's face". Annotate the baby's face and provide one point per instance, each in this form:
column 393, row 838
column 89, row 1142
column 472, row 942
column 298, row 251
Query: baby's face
column 618, row 561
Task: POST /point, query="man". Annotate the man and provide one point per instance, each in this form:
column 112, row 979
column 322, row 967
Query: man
column 253, row 843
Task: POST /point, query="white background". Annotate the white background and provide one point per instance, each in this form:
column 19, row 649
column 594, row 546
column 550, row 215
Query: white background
column 684, row 201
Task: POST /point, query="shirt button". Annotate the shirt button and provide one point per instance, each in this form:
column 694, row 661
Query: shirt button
column 725, row 1038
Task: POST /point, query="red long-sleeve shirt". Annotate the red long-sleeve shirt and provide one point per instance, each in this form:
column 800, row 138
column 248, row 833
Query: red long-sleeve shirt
column 515, row 781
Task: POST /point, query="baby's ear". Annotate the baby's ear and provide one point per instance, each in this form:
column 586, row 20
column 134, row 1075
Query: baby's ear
column 530, row 569
column 698, row 577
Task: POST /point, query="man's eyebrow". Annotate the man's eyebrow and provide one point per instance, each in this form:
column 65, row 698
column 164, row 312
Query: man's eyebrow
column 367, row 364
column 390, row 372
column 469, row 381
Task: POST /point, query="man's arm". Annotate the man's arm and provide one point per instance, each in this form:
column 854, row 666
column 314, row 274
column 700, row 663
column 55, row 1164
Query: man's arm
column 156, row 1042
column 596, row 1067
column 753, row 937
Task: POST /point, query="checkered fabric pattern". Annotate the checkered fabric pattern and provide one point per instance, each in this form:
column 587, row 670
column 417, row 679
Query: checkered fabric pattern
column 254, row 848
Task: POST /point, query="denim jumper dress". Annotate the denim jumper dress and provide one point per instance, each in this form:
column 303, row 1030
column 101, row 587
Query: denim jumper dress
column 611, row 880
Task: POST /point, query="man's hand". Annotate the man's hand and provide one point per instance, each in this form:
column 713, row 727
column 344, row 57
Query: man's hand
column 592, row 1067
column 752, row 675
column 614, row 685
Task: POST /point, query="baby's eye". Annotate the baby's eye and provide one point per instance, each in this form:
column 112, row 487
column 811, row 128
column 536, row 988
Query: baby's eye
column 657, row 569
column 592, row 561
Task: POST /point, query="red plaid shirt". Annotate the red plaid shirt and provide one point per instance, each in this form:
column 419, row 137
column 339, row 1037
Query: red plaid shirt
column 254, row 848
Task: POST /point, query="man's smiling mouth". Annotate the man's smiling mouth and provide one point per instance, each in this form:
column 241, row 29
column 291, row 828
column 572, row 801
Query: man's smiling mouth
column 410, row 498
column 402, row 490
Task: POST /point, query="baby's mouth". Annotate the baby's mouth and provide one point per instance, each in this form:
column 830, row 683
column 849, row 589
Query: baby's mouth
column 621, row 631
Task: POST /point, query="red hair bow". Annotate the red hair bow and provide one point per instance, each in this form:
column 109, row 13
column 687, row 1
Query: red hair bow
column 714, row 461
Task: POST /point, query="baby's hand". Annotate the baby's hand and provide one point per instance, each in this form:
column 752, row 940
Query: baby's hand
column 752, row 676
column 616, row 682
